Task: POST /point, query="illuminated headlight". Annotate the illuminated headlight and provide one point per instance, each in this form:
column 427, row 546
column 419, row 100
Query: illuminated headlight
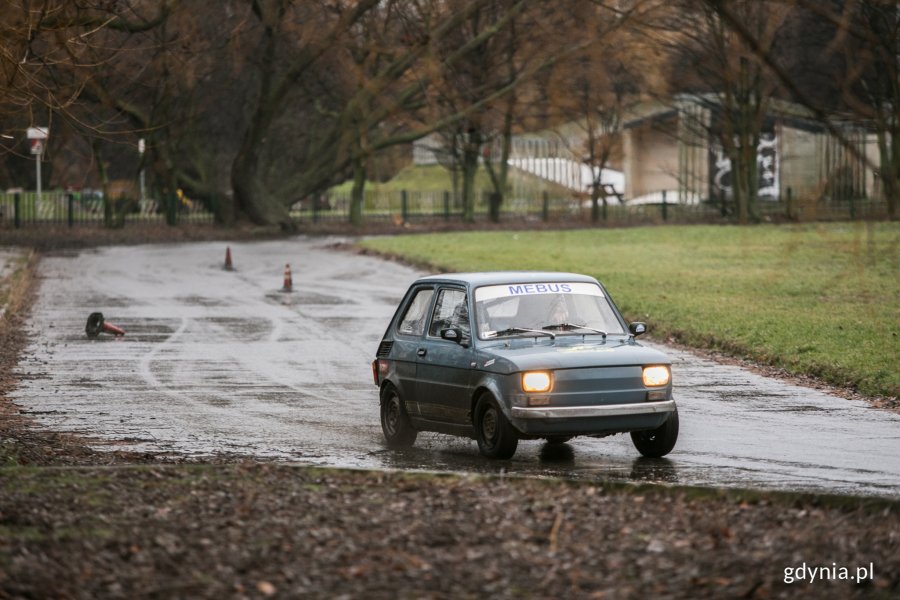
column 537, row 381
column 656, row 376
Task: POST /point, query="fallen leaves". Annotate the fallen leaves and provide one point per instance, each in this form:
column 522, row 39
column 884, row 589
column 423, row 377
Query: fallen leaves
column 210, row 531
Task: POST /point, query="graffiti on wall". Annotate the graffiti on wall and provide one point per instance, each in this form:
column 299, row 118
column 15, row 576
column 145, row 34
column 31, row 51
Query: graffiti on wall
column 767, row 166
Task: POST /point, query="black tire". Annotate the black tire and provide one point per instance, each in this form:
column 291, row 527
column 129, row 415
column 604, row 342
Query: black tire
column 495, row 435
column 398, row 431
column 558, row 439
column 658, row 442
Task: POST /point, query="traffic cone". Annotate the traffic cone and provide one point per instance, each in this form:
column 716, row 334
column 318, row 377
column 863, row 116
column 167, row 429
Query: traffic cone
column 96, row 324
column 228, row 265
column 288, row 280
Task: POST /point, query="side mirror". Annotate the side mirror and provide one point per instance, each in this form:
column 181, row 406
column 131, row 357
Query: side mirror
column 637, row 328
column 454, row 335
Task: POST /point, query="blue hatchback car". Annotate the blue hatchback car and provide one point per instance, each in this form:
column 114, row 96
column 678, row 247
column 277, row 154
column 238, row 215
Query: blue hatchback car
column 506, row 356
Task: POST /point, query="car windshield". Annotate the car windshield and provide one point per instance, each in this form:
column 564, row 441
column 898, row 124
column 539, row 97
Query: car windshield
column 557, row 308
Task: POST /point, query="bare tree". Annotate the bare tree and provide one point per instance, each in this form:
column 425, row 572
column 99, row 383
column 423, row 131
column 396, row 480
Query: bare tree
column 867, row 37
column 51, row 50
column 733, row 84
column 593, row 89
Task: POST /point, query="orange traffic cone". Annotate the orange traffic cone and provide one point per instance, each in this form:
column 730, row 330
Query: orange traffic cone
column 228, row 265
column 288, row 280
column 96, row 324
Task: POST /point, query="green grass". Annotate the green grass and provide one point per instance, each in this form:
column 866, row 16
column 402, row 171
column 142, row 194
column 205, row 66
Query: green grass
column 435, row 179
column 822, row 300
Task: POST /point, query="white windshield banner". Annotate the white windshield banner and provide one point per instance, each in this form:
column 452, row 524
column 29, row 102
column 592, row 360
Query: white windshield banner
column 511, row 290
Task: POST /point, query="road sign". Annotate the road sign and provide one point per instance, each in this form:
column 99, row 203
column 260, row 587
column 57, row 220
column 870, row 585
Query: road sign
column 38, row 133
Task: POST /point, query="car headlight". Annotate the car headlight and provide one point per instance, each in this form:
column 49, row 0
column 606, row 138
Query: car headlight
column 536, row 381
column 656, row 376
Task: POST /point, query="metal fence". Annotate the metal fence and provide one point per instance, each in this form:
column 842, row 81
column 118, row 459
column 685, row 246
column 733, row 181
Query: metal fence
column 26, row 209
column 409, row 206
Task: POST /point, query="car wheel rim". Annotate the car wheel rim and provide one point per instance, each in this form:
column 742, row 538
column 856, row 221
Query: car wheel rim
column 489, row 425
column 393, row 415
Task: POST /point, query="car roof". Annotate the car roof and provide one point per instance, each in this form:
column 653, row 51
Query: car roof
column 502, row 277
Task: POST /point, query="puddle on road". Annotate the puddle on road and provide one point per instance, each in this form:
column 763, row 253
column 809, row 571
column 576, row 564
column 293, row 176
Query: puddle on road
column 200, row 301
column 143, row 330
column 244, row 330
column 109, row 301
column 443, row 454
column 796, row 409
column 303, row 297
column 86, row 384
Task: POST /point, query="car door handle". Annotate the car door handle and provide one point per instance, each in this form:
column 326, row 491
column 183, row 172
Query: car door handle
column 422, row 352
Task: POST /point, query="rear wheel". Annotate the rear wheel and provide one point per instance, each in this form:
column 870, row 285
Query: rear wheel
column 398, row 431
column 495, row 435
column 660, row 441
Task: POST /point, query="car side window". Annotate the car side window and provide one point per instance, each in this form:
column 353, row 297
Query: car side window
column 413, row 322
column 450, row 311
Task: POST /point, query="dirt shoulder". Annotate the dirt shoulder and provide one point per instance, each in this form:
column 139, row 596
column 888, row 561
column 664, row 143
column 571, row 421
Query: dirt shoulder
column 78, row 523
column 258, row 530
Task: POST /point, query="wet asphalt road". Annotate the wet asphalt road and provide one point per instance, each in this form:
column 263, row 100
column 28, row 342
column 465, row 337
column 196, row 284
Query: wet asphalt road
column 223, row 361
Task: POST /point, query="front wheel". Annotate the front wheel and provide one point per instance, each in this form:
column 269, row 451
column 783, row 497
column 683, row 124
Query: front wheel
column 398, row 431
column 495, row 435
column 658, row 442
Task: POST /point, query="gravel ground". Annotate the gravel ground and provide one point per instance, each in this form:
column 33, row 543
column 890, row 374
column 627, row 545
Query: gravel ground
column 76, row 523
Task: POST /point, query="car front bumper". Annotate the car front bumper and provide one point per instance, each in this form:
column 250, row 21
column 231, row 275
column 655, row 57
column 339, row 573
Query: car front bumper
column 608, row 410
column 596, row 420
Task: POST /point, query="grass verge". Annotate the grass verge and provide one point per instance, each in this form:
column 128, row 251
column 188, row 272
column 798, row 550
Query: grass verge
column 820, row 300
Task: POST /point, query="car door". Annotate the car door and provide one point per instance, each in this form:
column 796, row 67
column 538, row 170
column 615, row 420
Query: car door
column 444, row 370
column 407, row 343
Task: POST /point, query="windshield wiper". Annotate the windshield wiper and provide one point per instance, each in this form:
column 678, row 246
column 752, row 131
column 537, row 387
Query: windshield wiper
column 574, row 326
column 512, row 330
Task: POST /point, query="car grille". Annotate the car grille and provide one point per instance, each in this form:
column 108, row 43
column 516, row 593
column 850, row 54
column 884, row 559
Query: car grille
column 384, row 348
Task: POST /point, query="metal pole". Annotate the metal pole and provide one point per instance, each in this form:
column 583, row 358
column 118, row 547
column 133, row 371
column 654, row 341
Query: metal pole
column 37, row 168
column 665, row 207
column 17, row 208
column 446, row 205
column 141, row 148
column 404, row 205
column 70, row 198
column 545, row 209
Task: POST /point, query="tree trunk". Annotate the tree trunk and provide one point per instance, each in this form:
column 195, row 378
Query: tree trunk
column 250, row 196
column 471, row 152
column 357, row 196
column 889, row 151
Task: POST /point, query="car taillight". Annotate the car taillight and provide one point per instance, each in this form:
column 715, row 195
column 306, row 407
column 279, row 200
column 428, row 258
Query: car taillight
column 379, row 369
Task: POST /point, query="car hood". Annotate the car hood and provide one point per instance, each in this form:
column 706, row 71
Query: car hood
column 528, row 356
